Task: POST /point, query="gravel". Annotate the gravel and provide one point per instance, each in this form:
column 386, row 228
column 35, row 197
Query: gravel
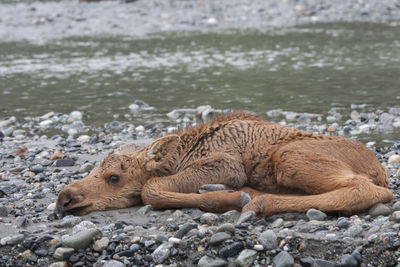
column 31, row 234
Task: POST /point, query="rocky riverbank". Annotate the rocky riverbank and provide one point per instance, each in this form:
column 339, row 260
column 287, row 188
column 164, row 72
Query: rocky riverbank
column 40, row 155
column 44, row 20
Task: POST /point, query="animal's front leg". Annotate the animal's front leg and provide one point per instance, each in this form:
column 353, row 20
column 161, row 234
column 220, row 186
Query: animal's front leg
column 180, row 190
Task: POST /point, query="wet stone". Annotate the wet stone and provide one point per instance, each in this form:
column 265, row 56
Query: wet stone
column 80, row 240
column 42, row 252
column 101, row 244
column 184, row 229
column 161, row 253
column 310, row 262
column 37, row 168
column 231, row 250
column 245, row 217
column 226, row 227
column 283, row 259
column 246, row 257
column 378, row 210
column 268, row 239
column 395, row 216
column 87, row 167
column 314, row 214
column 342, row 223
column 218, row 238
column 144, row 210
column 113, row 263
column 354, row 231
column 207, row 261
column 396, row 206
column 70, row 221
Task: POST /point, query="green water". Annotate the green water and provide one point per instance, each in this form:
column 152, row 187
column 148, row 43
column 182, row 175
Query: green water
column 303, row 69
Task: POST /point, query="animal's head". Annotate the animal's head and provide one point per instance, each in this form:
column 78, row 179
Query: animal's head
column 118, row 181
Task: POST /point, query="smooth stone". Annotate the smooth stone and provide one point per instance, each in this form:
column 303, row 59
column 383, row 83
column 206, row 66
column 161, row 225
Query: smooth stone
column 310, row 262
column 226, row 227
column 83, row 225
column 144, row 210
column 87, row 167
column 65, row 162
column 101, row 244
column 245, row 216
column 160, row 238
column 209, row 218
column 37, row 168
column 70, row 221
column 51, row 206
column 268, row 239
column 174, row 240
column 353, row 231
column 230, row 216
column 42, row 252
column 231, row 250
column 83, row 138
column 60, row 264
column 219, row 237
column 394, row 159
column 258, row 247
column 395, row 216
column 246, row 257
column 348, row 261
column 74, row 116
column 184, row 229
column 207, row 261
column 161, row 253
column 277, row 223
column 113, row 263
column 63, row 253
column 342, row 223
column 379, row 209
column 283, row 259
column 315, row 215
column 396, row 205
column 4, row 211
column 15, row 239
column 80, row 240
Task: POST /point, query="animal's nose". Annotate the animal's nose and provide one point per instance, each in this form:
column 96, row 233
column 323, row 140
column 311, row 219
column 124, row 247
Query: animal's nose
column 65, row 199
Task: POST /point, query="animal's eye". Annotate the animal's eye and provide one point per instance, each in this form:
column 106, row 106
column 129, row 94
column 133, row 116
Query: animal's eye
column 113, row 179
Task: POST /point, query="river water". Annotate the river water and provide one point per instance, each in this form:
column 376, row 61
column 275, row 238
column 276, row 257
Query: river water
column 309, row 68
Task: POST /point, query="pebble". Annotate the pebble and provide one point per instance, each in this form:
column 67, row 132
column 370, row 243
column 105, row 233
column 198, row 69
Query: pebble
column 101, row 244
column 75, row 116
column 65, row 163
column 218, row 238
column 184, row 229
column 161, row 253
column 207, row 261
column 70, row 221
column 144, row 210
column 87, row 167
column 379, row 209
column 393, row 159
column 277, row 223
column 37, row 168
column 314, row 214
column 62, row 253
column 60, row 264
column 226, row 227
column 4, row 211
column 396, row 206
column 354, row 230
column 395, row 216
column 80, row 240
column 246, row 258
column 209, row 218
column 283, row 259
column 113, row 263
column 342, row 223
column 231, row 250
column 268, row 239
column 347, row 260
column 258, row 247
column 245, row 216
column 310, row 262
column 42, row 252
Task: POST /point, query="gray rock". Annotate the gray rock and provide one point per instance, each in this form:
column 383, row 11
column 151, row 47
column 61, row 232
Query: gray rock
column 314, row 214
column 82, row 226
column 283, row 259
column 144, row 210
column 268, row 239
column 160, row 238
column 353, row 231
column 65, row 162
column 3, row 211
column 80, row 240
column 226, row 227
column 70, row 221
column 87, row 167
column 379, row 209
column 101, row 244
column 184, row 229
column 37, row 168
column 209, row 218
column 230, row 216
column 231, row 250
column 348, row 261
column 277, row 223
column 246, row 257
column 113, row 263
column 342, row 223
column 316, row 262
column 59, row 264
column 246, row 216
column 161, row 253
column 396, row 206
column 219, row 237
column 63, row 253
column 395, row 216
column 207, row 261
column 12, row 240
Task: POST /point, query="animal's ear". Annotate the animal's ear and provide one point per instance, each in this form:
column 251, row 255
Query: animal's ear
column 160, row 148
column 128, row 148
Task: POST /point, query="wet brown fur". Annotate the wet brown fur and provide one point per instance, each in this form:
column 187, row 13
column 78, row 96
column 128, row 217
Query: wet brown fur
column 283, row 169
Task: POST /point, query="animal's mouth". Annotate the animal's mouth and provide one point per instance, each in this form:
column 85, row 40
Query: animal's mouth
column 78, row 210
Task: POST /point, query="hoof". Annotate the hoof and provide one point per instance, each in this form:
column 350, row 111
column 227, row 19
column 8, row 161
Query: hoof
column 245, row 216
column 245, row 198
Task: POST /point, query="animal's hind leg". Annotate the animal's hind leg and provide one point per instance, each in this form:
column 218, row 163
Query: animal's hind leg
column 357, row 195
